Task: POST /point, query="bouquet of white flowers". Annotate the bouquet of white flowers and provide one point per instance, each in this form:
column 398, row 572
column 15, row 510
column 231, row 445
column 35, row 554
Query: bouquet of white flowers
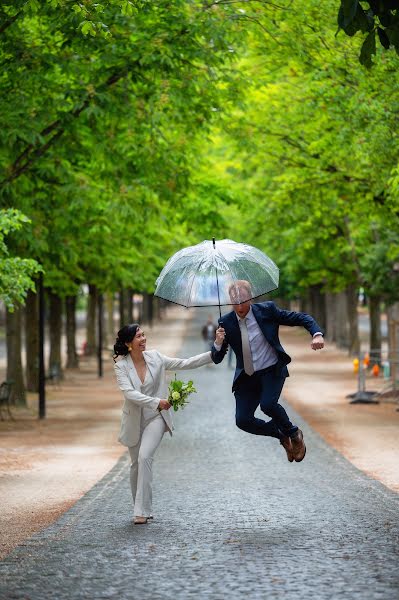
column 178, row 393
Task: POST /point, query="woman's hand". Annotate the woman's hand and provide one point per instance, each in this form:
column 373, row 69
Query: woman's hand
column 220, row 335
column 164, row 405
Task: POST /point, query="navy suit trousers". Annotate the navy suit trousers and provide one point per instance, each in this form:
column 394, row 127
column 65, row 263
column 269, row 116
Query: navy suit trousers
column 263, row 389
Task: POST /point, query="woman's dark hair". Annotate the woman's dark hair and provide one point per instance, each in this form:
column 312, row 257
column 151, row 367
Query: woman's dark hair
column 125, row 335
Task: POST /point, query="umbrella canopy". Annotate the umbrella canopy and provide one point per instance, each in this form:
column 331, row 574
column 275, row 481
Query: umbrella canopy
column 201, row 275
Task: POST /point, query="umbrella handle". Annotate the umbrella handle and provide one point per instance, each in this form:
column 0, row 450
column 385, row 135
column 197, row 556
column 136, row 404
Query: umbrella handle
column 217, row 278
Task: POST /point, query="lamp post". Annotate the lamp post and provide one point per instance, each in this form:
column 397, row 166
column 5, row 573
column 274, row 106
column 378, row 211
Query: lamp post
column 42, row 375
column 100, row 336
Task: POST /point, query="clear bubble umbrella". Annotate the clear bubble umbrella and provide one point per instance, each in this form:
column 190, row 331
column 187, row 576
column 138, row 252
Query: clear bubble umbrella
column 203, row 275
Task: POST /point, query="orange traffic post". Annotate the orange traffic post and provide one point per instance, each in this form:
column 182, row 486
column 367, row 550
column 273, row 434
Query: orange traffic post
column 375, row 370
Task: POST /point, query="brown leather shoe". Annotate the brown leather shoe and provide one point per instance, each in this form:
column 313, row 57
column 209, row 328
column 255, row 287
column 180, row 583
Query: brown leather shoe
column 298, row 446
column 287, row 445
column 140, row 520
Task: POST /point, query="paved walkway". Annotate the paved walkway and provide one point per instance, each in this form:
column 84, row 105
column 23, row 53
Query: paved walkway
column 233, row 519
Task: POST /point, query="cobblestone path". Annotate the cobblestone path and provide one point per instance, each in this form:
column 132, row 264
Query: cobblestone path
column 233, row 519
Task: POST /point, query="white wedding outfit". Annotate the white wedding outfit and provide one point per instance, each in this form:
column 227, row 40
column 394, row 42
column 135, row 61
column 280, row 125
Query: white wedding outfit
column 142, row 424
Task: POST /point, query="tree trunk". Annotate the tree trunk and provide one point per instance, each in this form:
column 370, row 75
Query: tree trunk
column 157, row 309
column 110, row 325
column 72, row 355
column 393, row 341
column 148, row 309
column 144, row 309
column 162, row 307
column 14, row 361
column 282, row 303
column 353, row 321
column 122, row 309
column 341, row 324
column 32, row 341
column 150, row 300
column 140, row 312
column 375, row 330
column 304, row 303
column 91, row 322
column 331, row 320
column 129, row 306
column 55, row 333
column 318, row 305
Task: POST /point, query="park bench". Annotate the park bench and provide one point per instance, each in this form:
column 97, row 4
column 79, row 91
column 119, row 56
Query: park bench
column 54, row 374
column 5, row 398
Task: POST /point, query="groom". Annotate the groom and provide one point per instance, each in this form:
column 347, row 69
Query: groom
column 252, row 332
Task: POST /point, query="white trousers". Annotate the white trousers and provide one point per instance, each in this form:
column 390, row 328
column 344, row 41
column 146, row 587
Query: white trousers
column 142, row 455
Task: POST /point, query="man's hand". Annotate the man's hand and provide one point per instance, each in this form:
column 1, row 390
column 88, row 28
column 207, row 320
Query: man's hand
column 317, row 342
column 220, row 334
column 164, row 405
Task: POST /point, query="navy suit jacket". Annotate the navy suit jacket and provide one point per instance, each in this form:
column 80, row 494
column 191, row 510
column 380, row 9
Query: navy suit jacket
column 268, row 317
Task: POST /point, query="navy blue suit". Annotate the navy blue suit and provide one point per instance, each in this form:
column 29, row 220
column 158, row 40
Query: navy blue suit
column 263, row 388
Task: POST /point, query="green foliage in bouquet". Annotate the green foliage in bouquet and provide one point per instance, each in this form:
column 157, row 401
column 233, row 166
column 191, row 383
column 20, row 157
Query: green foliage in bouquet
column 178, row 393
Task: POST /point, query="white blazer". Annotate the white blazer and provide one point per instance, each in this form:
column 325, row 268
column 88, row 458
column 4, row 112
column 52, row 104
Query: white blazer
column 130, row 384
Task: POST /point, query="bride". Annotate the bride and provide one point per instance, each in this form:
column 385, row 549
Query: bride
column 140, row 374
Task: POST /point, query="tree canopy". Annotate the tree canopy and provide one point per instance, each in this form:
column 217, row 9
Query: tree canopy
column 97, row 121
column 311, row 157
column 131, row 129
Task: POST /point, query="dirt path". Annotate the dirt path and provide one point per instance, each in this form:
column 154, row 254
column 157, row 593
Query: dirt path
column 366, row 434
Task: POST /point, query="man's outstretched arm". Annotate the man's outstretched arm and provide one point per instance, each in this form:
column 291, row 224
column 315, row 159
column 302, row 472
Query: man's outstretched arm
column 292, row 318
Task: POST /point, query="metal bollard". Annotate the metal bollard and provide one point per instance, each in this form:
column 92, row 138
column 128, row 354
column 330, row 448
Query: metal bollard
column 386, row 370
column 362, row 396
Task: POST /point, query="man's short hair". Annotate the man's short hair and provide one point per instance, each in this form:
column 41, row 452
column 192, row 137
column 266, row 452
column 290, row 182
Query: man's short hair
column 236, row 287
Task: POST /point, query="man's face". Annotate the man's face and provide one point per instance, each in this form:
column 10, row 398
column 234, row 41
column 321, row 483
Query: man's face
column 241, row 295
column 242, row 309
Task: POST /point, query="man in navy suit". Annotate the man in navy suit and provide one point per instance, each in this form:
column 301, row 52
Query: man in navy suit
column 252, row 332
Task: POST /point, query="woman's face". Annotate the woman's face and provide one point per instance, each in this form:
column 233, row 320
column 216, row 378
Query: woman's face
column 139, row 341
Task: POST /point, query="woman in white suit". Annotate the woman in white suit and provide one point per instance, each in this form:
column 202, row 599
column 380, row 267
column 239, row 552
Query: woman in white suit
column 145, row 415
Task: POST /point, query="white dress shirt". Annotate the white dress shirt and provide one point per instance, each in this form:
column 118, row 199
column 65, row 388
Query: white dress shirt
column 263, row 355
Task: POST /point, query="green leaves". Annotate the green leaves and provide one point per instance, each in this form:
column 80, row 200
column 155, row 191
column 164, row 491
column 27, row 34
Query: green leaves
column 127, row 8
column 347, row 12
column 87, row 27
column 367, row 50
column 129, row 129
column 383, row 37
column 355, row 19
column 392, row 33
column 16, row 274
column 370, row 17
column 310, row 159
column 100, row 109
column 178, row 392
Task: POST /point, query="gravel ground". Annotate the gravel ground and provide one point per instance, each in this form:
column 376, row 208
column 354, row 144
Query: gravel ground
column 233, row 519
